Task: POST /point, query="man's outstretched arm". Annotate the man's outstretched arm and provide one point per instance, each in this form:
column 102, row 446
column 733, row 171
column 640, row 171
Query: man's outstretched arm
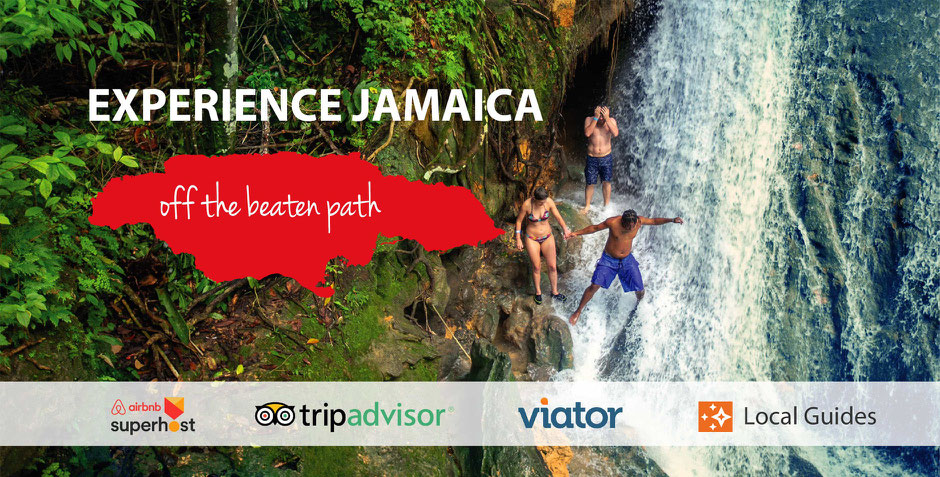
column 660, row 220
column 590, row 229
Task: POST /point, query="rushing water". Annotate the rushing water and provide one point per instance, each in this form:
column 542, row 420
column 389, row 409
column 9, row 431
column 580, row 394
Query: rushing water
column 799, row 140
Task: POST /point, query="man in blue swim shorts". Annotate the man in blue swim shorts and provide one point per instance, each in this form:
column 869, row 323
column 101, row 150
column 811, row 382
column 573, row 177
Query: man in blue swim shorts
column 599, row 130
column 617, row 259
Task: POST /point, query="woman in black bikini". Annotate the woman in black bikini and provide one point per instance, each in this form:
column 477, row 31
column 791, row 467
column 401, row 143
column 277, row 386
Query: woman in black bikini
column 537, row 239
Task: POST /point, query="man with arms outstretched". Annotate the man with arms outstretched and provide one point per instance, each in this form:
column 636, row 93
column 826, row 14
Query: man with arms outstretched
column 617, row 259
column 599, row 130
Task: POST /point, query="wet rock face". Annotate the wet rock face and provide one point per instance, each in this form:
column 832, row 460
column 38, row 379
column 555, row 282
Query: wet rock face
column 478, row 278
column 455, row 365
column 517, row 327
column 614, row 461
column 491, row 364
column 490, row 461
column 557, row 459
column 569, row 250
column 550, row 343
column 490, row 294
column 440, row 291
column 487, row 363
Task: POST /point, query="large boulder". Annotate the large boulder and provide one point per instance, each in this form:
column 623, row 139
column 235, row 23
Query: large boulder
column 631, row 461
column 517, row 325
column 481, row 280
column 570, row 249
column 550, row 343
column 440, row 293
column 490, row 364
column 487, row 363
column 400, row 348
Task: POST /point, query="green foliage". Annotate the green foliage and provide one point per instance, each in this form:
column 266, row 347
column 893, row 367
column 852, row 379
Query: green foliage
column 415, row 38
column 70, row 25
column 53, row 264
column 387, row 25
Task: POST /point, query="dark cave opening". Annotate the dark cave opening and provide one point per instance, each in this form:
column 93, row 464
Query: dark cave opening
column 586, row 89
column 593, row 82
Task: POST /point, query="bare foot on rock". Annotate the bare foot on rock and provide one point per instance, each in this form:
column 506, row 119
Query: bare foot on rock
column 574, row 318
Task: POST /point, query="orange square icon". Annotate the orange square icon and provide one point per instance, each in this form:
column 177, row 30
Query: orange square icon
column 715, row 416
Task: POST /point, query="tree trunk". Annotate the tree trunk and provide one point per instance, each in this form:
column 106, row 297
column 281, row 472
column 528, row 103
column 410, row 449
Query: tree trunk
column 223, row 42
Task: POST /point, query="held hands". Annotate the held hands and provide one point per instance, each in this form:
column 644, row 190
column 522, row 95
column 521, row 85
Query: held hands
column 678, row 220
column 569, row 234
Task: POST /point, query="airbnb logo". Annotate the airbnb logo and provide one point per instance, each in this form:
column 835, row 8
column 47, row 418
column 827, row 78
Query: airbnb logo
column 118, row 408
column 715, row 416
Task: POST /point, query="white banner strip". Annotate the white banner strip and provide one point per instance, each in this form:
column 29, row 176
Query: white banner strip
column 471, row 414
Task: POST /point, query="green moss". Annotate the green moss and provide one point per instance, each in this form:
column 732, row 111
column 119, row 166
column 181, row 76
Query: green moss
column 330, row 461
column 380, row 289
column 369, row 461
column 422, row 371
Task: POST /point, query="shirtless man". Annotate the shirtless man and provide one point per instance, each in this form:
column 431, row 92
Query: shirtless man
column 617, row 259
column 599, row 129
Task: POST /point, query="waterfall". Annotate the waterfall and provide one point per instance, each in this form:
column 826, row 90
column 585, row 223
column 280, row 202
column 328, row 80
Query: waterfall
column 712, row 109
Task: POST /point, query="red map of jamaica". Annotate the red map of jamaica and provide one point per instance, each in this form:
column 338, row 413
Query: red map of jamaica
column 287, row 213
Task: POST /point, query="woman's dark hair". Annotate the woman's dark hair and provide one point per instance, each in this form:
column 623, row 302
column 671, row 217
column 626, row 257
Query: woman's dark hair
column 629, row 218
column 540, row 193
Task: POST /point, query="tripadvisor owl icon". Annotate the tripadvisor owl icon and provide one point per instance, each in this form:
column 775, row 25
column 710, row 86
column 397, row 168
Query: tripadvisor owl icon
column 274, row 413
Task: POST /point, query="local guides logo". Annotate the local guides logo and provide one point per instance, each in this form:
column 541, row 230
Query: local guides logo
column 715, row 416
column 570, row 417
column 173, row 407
column 375, row 416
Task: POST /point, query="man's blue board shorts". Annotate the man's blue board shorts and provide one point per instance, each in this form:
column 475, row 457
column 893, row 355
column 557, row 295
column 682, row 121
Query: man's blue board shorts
column 627, row 268
column 598, row 165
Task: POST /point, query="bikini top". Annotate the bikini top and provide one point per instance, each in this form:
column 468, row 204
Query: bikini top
column 533, row 218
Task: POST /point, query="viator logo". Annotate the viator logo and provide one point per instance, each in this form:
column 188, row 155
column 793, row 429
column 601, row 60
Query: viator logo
column 560, row 417
column 715, row 416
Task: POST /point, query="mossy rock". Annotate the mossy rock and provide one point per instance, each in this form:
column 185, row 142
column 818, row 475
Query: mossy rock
column 550, row 343
column 491, row 364
column 487, row 363
column 500, row 460
column 395, row 353
column 440, row 294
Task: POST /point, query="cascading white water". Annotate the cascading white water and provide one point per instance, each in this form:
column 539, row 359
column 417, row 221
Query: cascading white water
column 702, row 111
column 703, row 108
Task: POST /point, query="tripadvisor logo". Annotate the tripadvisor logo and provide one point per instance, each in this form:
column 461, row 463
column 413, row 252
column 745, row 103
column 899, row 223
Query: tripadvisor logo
column 375, row 416
column 560, row 417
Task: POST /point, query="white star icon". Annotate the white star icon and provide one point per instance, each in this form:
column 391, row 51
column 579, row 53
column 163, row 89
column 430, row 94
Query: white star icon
column 704, row 416
column 721, row 417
